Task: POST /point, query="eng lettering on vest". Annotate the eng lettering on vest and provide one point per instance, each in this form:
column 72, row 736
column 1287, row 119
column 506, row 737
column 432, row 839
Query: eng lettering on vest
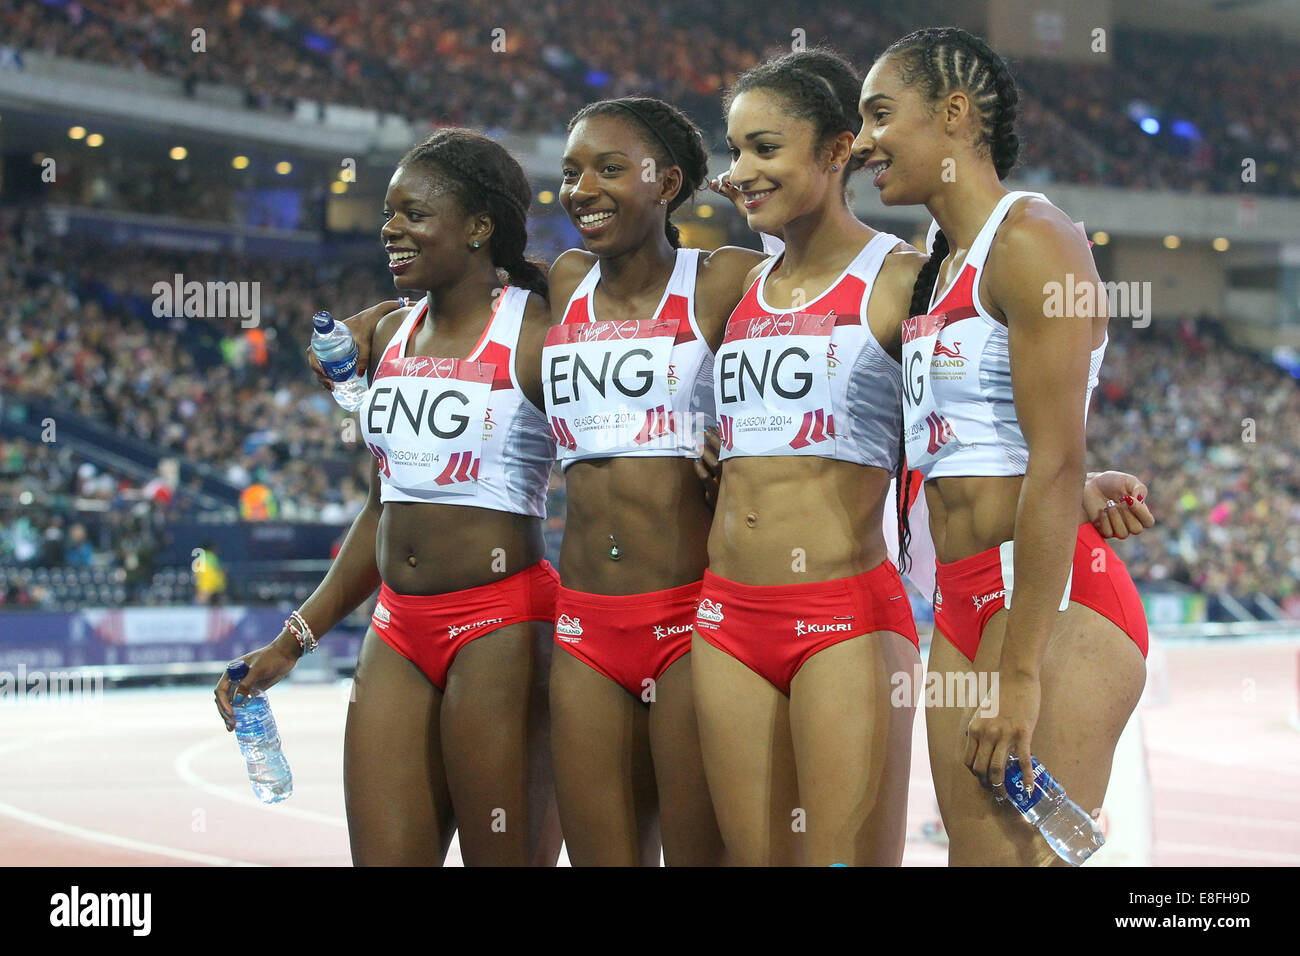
column 928, row 434
column 772, row 380
column 426, row 419
column 608, row 388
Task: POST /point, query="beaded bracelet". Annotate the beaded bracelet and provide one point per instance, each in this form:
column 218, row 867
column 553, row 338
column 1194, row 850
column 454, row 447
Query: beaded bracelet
column 297, row 626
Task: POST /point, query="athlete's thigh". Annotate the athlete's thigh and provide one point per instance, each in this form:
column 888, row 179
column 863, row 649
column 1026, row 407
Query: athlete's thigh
column 1091, row 677
column 852, row 734
column 604, row 777
column 394, row 783
column 686, row 819
column 485, row 733
column 748, row 758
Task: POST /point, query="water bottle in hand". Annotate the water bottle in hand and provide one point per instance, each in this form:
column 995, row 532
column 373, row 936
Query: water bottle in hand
column 268, row 770
column 1068, row 830
column 337, row 353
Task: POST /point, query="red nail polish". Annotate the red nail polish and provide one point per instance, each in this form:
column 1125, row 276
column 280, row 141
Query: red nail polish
column 1140, row 497
column 1128, row 499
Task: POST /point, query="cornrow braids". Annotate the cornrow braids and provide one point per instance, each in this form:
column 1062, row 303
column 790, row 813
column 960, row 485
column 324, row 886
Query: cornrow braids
column 673, row 139
column 485, row 178
column 817, row 85
column 944, row 59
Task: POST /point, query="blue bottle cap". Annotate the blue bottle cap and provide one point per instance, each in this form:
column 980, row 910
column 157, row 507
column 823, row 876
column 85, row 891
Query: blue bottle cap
column 323, row 322
column 237, row 670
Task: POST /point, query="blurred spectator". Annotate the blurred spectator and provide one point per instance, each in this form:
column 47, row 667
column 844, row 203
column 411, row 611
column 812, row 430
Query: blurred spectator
column 79, row 553
column 209, row 576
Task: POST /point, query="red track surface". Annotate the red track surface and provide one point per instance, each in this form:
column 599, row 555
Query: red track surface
column 150, row 778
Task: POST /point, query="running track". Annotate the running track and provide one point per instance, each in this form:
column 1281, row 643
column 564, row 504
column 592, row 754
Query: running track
column 150, row 778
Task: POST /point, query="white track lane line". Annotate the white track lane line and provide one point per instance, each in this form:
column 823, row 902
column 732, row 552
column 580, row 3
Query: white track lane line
column 98, row 836
column 182, row 767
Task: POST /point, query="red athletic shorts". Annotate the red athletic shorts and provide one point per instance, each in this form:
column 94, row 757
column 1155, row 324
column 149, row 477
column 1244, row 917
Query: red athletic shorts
column 774, row 629
column 968, row 592
column 630, row 638
column 430, row 629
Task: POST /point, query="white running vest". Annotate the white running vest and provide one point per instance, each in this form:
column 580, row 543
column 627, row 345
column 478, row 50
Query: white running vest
column 459, row 431
column 959, row 414
column 812, row 380
column 639, row 388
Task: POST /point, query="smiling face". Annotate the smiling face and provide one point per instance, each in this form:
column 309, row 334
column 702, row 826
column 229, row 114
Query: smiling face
column 903, row 139
column 776, row 163
column 605, row 191
column 426, row 231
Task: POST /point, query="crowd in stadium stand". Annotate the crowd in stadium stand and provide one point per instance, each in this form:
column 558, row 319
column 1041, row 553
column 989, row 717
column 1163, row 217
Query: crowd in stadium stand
column 527, row 66
column 1212, row 429
column 1215, row 431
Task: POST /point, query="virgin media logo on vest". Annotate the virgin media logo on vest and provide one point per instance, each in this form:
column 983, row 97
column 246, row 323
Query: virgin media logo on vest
column 940, row 432
column 426, row 367
column 765, row 325
column 604, row 331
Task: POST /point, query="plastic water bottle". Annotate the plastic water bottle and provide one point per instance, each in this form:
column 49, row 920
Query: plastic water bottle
column 337, row 352
column 259, row 740
column 1071, row 833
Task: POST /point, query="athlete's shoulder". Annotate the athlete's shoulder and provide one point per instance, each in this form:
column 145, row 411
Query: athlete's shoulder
column 900, row 268
column 1032, row 226
column 387, row 327
column 569, row 268
column 537, row 315
column 729, row 263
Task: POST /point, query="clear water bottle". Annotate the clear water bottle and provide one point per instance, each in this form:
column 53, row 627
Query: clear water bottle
column 259, row 740
column 337, row 352
column 1071, row 833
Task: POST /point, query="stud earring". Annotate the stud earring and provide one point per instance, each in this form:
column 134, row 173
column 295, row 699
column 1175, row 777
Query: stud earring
column 663, row 202
column 474, row 244
column 835, row 167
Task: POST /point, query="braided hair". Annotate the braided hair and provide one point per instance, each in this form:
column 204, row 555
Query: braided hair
column 673, row 140
column 944, row 59
column 485, row 178
column 817, row 85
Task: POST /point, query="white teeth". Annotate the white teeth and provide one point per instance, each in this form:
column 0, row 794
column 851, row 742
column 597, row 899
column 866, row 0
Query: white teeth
column 593, row 218
column 394, row 258
column 750, row 197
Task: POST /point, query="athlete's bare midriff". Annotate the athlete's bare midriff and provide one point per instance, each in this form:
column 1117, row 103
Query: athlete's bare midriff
column 655, row 510
column 786, row 520
column 972, row 514
column 436, row 549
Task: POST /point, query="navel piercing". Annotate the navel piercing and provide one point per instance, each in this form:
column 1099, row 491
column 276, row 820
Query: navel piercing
column 614, row 553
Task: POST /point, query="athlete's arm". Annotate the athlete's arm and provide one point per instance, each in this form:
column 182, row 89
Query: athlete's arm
column 362, row 326
column 891, row 298
column 723, row 280
column 353, row 576
column 528, row 356
column 1049, row 372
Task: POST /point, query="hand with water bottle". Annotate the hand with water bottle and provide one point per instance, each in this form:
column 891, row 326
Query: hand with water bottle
column 361, row 325
column 1002, row 726
column 267, row 666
